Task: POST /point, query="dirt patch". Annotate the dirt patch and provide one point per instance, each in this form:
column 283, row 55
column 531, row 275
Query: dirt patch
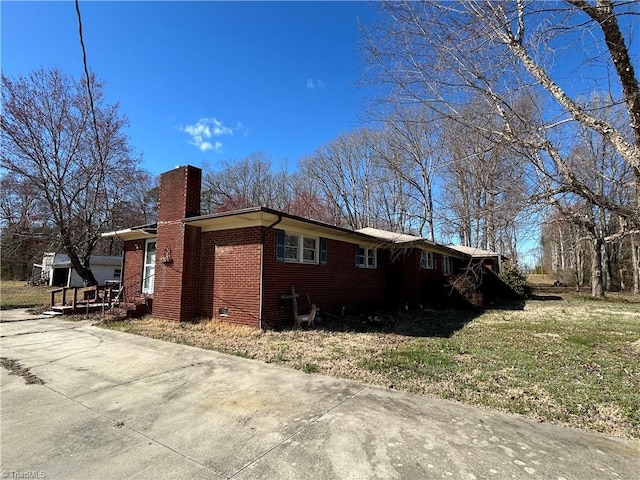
column 616, row 312
column 547, row 335
column 14, row 368
column 635, row 347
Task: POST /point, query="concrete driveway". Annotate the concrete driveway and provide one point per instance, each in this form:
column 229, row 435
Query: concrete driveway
column 115, row 405
column 20, row 315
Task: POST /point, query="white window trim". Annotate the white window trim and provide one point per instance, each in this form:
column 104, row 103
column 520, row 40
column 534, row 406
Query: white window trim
column 447, row 264
column 300, row 257
column 427, row 260
column 148, row 269
column 367, row 251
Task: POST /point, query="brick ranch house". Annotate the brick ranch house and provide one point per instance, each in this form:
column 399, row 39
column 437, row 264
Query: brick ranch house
column 238, row 265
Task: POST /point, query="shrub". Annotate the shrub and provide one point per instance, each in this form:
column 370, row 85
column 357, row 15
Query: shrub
column 466, row 290
column 513, row 277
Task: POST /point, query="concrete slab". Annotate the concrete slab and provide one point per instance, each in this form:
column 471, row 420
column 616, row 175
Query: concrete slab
column 62, row 439
column 234, row 404
column 394, row 435
column 19, row 315
column 121, row 406
column 94, row 359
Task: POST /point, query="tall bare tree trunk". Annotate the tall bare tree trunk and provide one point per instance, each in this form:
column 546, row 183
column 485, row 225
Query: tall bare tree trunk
column 606, row 272
column 635, row 260
column 563, row 264
column 597, row 287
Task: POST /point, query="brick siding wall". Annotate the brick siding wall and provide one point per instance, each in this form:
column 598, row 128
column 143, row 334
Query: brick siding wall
column 230, row 275
column 222, row 269
column 177, row 289
column 331, row 286
column 179, row 194
column 133, row 265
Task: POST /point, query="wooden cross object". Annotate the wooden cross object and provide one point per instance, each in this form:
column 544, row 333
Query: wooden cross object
column 293, row 296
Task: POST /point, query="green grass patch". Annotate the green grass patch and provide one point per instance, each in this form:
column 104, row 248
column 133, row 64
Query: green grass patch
column 409, row 363
column 310, row 368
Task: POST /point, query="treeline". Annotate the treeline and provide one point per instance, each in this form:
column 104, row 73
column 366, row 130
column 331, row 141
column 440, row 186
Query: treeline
column 590, row 239
column 29, row 229
column 477, row 138
column 572, row 254
column 415, row 174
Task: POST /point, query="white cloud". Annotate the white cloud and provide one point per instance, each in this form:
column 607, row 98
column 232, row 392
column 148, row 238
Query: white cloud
column 203, row 130
column 204, row 146
column 241, row 128
column 312, row 84
column 219, row 128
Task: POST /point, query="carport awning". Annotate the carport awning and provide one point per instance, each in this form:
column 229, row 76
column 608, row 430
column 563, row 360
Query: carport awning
column 134, row 233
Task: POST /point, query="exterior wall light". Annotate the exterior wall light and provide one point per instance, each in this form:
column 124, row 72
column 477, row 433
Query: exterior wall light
column 167, row 259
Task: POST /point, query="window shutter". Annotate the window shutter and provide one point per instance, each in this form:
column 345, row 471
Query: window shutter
column 280, row 245
column 323, row 251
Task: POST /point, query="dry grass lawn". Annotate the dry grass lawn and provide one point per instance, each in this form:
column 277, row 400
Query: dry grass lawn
column 574, row 362
column 16, row 294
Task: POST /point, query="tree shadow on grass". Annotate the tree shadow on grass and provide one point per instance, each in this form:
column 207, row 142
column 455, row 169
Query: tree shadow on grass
column 546, row 298
column 418, row 323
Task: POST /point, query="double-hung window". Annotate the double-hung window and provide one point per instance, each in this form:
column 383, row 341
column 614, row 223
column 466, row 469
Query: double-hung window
column 427, row 260
column 447, row 265
column 291, row 247
column 299, row 248
column 309, row 250
column 366, row 257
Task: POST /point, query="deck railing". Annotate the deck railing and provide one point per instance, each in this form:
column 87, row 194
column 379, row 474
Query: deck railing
column 101, row 296
column 86, row 297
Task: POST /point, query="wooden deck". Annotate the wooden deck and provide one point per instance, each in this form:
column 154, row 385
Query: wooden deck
column 95, row 299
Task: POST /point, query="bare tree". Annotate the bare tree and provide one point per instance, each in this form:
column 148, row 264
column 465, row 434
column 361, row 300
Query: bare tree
column 309, row 201
column 358, row 173
column 345, row 171
column 249, row 182
column 484, row 194
column 599, row 166
column 80, row 168
column 442, row 53
column 26, row 227
column 413, row 155
column 565, row 248
column 635, row 259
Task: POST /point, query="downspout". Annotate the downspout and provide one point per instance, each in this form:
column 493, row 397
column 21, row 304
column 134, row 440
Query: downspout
column 262, row 266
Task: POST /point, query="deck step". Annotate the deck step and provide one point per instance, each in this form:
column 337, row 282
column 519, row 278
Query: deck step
column 62, row 309
column 51, row 313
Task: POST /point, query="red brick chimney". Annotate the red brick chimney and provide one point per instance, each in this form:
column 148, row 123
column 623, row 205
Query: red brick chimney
column 176, row 293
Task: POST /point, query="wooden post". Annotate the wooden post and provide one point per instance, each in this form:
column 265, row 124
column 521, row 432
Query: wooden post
column 293, row 296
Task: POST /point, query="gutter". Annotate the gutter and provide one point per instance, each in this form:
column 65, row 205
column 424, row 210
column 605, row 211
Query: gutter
column 262, row 266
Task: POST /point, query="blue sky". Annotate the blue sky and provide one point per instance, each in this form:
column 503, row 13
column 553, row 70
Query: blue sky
column 203, row 82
